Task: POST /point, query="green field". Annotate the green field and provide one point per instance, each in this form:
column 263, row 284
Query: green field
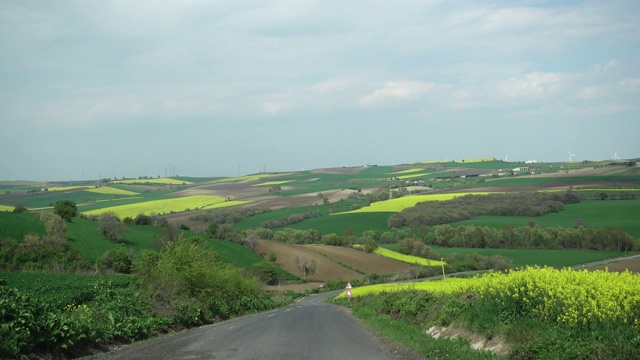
column 60, row 290
column 342, row 223
column 82, row 234
column 530, row 257
column 597, row 214
column 16, row 226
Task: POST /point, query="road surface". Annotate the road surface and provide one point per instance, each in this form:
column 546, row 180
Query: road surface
column 309, row 329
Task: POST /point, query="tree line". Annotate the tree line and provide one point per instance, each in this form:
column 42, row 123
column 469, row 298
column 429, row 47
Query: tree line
column 465, row 207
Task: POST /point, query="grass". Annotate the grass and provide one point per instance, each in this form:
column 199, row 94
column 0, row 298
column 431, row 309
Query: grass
column 341, row 224
column 412, row 335
column 16, row 226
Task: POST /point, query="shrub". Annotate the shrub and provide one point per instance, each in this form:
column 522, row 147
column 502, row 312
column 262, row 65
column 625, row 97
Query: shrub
column 188, row 283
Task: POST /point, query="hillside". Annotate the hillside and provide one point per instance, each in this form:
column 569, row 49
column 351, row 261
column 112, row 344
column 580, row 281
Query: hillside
column 333, row 192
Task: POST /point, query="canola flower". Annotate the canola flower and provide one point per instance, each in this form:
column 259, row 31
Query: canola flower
column 565, row 296
column 577, row 298
column 448, row 286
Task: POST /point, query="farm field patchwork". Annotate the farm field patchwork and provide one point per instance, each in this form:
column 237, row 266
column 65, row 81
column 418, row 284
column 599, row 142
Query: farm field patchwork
column 6, row 208
column 408, row 171
column 271, row 183
column 247, row 178
column 399, row 204
column 109, row 190
column 166, row 206
column 156, row 181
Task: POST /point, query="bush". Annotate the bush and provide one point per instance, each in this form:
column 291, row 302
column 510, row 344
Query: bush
column 189, row 284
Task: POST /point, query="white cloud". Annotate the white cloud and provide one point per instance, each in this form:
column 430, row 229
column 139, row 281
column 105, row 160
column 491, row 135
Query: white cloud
column 630, row 84
column 536, row 85
column 398, row 90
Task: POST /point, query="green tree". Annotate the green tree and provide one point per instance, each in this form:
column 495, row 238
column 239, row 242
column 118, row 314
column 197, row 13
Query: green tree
column 66, row 209
column 18, row 209
column 54, row 225
column 110, row 226
column 188, row 283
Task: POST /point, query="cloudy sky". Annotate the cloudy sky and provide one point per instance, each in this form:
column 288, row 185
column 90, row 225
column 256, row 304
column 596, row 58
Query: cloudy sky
column 221, row 88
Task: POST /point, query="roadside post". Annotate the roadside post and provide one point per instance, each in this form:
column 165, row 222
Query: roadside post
column 349, row 294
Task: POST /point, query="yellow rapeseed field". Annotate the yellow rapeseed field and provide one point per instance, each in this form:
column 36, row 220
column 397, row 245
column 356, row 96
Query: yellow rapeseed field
column 156, row 181
column 67, row 188
column 407, row 258
column 408, row 171
column 411, row 176
column 399, row 204
column 111, row 191
column 166, row 206
column 271, row 183
column 567, row 296
column 6, row 208
column 247, row 178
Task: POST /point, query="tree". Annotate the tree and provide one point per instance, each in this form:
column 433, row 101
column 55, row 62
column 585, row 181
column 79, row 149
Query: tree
column 66, row 209
column 120, row 259
column 252, row 241
column 110, row 226
column 54, row 225
column 18, row 209
column 305, row 266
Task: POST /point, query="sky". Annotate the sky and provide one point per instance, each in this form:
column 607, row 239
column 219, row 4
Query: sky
column 98, row 88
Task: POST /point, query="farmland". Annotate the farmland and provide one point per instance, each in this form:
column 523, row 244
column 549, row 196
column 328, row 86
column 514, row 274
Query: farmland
column 351, row 207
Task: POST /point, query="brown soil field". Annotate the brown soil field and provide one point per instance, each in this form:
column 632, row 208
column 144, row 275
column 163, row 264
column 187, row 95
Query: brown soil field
column 633, row 265
column 326, row 269
column 334, row 262
column 359, row 260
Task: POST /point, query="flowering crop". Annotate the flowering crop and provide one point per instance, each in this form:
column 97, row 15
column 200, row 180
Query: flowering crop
column 407, row 258
column 168, row 205
column 399, row 204
column 577, row 298
column 448, row 286
column 111, row 191
column 565, row 296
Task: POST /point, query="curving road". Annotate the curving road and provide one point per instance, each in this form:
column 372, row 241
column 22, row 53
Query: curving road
column 309, row 329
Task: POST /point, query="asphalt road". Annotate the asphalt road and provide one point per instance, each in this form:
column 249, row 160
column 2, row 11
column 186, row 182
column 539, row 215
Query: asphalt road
column 309, row 329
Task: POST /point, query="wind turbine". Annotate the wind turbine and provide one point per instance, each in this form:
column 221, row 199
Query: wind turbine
column 615, row 156
column 506, row 158
column 571, row 156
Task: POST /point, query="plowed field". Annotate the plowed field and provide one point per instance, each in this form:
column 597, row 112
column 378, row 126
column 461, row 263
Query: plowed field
column 333, row 262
